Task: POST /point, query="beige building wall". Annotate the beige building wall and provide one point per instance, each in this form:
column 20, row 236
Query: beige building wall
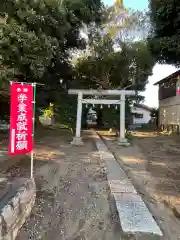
column 169, row 109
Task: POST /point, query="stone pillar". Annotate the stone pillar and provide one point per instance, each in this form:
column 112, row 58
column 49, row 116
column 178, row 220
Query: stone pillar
column 77, row 140
column 122, row 139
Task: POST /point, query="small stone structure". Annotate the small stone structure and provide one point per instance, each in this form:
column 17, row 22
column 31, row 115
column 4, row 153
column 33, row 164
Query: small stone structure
column 16, row 201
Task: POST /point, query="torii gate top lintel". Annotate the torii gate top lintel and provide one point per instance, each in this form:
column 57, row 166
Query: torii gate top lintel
column 101, row 92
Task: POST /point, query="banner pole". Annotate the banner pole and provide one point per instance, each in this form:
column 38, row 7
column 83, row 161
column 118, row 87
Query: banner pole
column 32, row 163
column 32, row 152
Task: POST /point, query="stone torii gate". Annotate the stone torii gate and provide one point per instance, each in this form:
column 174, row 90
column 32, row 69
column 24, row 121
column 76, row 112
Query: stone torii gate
column 77, row 140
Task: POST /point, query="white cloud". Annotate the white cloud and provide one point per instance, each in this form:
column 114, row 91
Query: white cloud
column 159, row 72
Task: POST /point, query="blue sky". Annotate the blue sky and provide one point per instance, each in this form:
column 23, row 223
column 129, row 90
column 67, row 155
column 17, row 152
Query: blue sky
column 159, row 71
column 134, row 4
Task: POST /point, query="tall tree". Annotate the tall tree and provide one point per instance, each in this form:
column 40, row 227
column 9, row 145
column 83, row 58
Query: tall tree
column 36, row 38
column 127, row 68
column 38, row 34
column 112, row 60
column 109, row 64
column 164, row 40
column 126, row 24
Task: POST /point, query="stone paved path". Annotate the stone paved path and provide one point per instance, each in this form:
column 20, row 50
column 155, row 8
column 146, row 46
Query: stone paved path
column 133, row 213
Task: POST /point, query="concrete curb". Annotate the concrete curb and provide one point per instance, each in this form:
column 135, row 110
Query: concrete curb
column 16, row 208
column 133, row 212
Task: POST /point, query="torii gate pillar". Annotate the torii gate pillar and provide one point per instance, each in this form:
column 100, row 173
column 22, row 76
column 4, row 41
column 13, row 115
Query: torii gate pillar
column 122, row 139
column 77, row 140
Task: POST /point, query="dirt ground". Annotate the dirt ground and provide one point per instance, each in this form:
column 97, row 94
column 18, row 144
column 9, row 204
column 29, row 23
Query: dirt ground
column 72, row 192
column 163, row 154
column 73, row 198
column 154, row 160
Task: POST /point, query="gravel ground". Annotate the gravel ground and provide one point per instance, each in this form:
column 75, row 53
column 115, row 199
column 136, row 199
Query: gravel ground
column 72, row 193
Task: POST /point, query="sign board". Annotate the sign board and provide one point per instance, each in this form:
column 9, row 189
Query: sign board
column 21, row 118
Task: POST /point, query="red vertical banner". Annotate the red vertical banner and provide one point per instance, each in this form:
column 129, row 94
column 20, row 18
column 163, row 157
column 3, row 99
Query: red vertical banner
column 21, row 118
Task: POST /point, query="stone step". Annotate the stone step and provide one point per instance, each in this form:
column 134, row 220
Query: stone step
column 134, row 214
column 121, row 186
